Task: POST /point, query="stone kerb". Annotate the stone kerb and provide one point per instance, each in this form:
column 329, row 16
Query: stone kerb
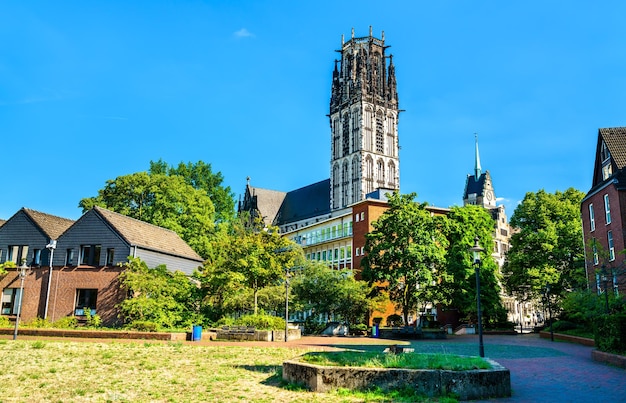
column 471, row 384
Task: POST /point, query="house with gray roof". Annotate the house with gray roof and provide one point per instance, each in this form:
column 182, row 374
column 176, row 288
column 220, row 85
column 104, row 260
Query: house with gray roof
column 85, row 256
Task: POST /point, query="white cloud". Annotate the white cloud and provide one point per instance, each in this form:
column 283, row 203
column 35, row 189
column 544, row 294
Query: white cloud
column 243, row 33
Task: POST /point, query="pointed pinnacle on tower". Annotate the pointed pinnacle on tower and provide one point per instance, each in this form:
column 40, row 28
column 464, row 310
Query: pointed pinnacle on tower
column 477, row 170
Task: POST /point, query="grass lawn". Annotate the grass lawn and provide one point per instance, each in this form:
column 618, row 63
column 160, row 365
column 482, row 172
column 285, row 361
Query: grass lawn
column 371, row 359
column 60, row 371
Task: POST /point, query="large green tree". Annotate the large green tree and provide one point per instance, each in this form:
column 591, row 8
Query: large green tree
column 246, row 256
column 464, row 225
column 329, row 292
column 200, row 176
column 547, row 246
column 166, row 201
column 405, row 253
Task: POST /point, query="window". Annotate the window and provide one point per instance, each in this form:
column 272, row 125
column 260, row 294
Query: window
column 356, row 252
column 609, row 236
column 594, row 247
column 85, row 299
column 362, row 216
column 592, row 218
column 17, row 253
column 362, row 250
column 110, row 256
column 607, row 209
column 356, row 217
column 10, row 301
column 324, row 255
column 90, row 255
column 36, row 257
column 69, row 257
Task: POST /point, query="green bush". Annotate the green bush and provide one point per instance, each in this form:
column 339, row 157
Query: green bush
column 563, row 325
column 38, row 323
column 143, row 326
column 68, row 322
column 5, row 322
column 610, row 333
column 261, row 321
column 312, row 326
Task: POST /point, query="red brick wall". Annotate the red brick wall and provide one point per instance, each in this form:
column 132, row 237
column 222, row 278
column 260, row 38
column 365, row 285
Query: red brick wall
column 65, row 282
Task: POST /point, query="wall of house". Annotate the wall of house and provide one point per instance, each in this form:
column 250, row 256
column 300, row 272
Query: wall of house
column 617, row 203
column 63, row 291
column 173, row 263
column 20, row 230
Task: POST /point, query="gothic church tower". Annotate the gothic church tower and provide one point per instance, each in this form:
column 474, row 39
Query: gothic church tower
column 363, row 121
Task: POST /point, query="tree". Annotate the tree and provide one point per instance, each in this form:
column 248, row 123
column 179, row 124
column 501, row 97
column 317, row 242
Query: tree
column 406, row 253
column 165, row 201
column 245, row 256
column 329, row 292
column 201, row 177
column 464, row 225
column 547, row 247
column 157, row 295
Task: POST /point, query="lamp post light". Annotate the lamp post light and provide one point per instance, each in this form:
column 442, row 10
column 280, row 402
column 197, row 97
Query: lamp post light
column 22, row 274
column 549, row 311
column 476, row 249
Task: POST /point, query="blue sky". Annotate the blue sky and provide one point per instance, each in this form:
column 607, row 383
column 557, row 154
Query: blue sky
column 93, row 90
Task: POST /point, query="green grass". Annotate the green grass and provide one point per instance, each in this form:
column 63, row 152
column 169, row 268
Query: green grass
column 139, row 371
column 372, row 359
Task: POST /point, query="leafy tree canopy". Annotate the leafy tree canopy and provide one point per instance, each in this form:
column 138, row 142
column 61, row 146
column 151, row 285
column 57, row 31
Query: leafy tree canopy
column 547, row 247
column 165, row 201
column 201, row 177
column 405, row 252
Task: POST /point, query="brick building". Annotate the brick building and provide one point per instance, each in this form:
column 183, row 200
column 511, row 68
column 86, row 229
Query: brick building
column 603, row 212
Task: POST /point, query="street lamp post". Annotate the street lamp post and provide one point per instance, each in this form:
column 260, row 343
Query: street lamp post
column 476, row 249
column 605, row 280
column 286, row 305
column 22, row 274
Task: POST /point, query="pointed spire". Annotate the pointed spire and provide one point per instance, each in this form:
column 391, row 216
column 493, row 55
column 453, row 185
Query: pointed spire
column 477, row 170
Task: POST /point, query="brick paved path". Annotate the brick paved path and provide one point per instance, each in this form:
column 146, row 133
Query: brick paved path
column 541, row 370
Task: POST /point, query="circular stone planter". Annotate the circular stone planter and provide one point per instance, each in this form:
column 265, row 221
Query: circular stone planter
column 467, row 385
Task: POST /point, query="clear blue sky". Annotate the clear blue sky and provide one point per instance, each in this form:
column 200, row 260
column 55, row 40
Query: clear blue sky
column 91, row 90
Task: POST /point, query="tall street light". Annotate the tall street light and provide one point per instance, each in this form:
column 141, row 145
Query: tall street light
column 476, row 249
column 286, row 305
column 22, row 274
column 549, row 310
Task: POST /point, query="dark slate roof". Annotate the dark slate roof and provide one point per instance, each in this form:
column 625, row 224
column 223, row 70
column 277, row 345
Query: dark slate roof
column 306, row 202
column 615, row 139
column 51, row 225
column 474, row 186
column 146, row 235
column 267, row 202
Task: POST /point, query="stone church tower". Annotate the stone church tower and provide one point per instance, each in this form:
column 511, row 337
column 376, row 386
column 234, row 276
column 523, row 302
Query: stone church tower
column 363, row 121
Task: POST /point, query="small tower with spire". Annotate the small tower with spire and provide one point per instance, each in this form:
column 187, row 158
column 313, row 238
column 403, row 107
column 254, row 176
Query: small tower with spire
column 478, row 187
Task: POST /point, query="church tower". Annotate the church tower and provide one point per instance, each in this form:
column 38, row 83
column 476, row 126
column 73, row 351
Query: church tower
column 363, row 121
column 478, row 187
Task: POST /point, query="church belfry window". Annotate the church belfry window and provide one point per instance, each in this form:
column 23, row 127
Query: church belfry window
column 345, row 184
column 380, row 142
column 346, row 135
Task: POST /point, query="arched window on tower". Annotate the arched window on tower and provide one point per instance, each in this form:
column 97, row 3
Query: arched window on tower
column 369, row 174
column 392, row 175
column 380, row 135
column 336, row 181
column 345, row 184
column 346, row 135
column 391, row 149
column 355, row 131
column 367, row 128
column 336, row 138
column 356, row 173
column 380, row 173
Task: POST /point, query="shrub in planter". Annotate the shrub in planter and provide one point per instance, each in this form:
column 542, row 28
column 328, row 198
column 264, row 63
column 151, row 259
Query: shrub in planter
column 68, row 322
column 262, row 322
column 143, row 326
column 610, row 333
column 5, row 322
column 359, row 328
column 563, row 325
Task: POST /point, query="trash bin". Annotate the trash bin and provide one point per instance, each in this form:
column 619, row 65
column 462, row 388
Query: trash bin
column 196, row 333
column 374, row 330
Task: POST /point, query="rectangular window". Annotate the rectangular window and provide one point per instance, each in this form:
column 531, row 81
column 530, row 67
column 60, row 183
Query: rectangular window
column 362, row 250
column 69, row 257
column 85, row 299
column 336, row 253
column 607, row 209
column 10, row 300
column 17, row 253
column 110, row 256
column 356, row 252
column 592, row 218
column 319, row 255
column 594, row 247
column 36, row 257
column 324, row 255
column 342, row 253
column 90, row 255
column 356, row 217
column 609, row 236
column 362, row 216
